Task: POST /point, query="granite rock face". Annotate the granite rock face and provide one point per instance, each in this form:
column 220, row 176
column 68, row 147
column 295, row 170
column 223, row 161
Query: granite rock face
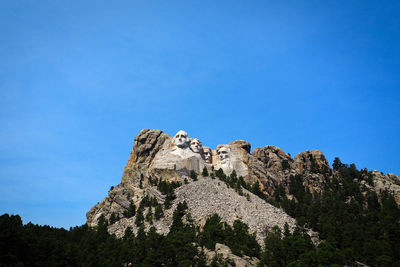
column 236, row 156
column 146, row 145
column 204, row 198
column 389, row 182
column 315, row 169
column 157, row 155
column 226, row 253
column 278, row 166
column 312, row 162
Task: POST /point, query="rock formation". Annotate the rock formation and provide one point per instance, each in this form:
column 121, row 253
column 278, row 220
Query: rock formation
column 157, row 156
column 382, row 182
column 204, row 198
column 315, row 168
column 146, row 145
column 278, row 166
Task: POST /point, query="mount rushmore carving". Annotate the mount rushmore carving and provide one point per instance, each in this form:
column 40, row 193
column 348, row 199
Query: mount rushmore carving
column 158, row 155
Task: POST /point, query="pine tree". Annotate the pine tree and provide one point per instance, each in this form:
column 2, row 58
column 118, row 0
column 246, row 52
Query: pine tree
column 337, row 164
column 131, row 211
column 201, row 260
column 149, row 216
column 113, row 218
column 129, row 235
column 141, row 181
column 158, row 212
column 193, row 175
column 139, row 217
column 204, row 172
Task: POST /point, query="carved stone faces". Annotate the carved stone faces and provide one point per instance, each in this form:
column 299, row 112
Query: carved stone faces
column 195, row 145
column 207, row 154
column 223, row 154
column 181, row 139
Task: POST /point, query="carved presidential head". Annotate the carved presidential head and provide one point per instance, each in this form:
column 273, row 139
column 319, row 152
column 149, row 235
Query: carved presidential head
column 207, row 154
column 195, row 145
column 181, row 139
column 223, row 153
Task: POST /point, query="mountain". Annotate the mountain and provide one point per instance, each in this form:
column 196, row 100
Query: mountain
column 182, row 204
column 259, row 188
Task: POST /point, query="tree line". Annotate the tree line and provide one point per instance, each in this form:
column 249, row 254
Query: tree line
column 353, row 222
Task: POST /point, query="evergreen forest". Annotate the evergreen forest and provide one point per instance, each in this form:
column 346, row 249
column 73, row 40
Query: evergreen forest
column 355, row 225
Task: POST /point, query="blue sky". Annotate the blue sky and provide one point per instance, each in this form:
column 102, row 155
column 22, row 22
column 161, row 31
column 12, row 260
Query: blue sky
column 79, row 79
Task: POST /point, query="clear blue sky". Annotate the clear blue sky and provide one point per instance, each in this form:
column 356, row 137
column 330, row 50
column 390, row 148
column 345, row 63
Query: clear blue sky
column 79, row 79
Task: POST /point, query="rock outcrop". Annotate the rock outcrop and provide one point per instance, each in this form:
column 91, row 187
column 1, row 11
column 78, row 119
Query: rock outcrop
column 236, row 156
column 204, row 198
column 158, row 156
column 278, row 167
column 227, row 255
column 312, row 162
column 146, row 145
column 314, row 167
column 388, row 182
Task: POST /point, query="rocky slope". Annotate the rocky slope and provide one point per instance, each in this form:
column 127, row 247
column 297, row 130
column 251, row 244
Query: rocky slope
column 157, row 156
column 204, row 197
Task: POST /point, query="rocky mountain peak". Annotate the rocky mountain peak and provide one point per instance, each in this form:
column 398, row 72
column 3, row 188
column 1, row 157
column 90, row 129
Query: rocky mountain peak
column 312, row 161
column 159, row 161
column 181, row 160
column 146, row 145
column 158, row 155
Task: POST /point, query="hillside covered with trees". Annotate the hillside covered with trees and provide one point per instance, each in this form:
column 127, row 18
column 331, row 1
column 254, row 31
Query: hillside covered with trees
column 353, row 222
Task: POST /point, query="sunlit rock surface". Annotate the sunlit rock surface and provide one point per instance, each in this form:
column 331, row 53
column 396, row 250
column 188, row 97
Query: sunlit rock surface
column 155, row 154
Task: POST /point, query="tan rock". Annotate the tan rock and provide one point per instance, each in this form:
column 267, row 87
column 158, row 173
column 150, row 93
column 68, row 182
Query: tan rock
column 312, row 162
column 226, row 254
column 274, row 158
column 389, row 182
column 278, row 166
column 206, row 197
column 314, row 168
column 146, row 145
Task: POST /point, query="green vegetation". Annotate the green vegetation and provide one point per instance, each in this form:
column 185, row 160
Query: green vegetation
column 139, row 217
column 141, row 180
column 131, row 211
column 33, row 245
column 285, row 165
column 237, row 238
column 193, row 175
column 168, row 189
column 149, row 216
column 158, row 212
column 239, row 183
column 204, row 172
column 294, row 249
column 354, row 224
column 113, row 218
